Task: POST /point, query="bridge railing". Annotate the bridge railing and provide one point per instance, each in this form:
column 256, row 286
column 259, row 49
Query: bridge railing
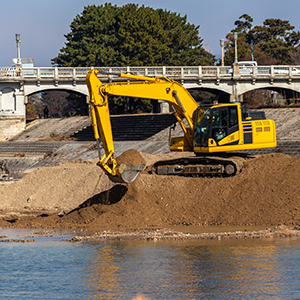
column 10, row 72
column 195, row 72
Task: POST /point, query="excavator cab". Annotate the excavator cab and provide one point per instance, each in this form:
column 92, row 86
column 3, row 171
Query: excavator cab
column 214, row 124
column 226, row 127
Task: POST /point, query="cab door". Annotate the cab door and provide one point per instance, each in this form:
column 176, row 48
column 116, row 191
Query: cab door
column 224, row 129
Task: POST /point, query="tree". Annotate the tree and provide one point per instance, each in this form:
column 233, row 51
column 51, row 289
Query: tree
column 244, row 51
column 108, row 35
column 63, row 104
column 243, row 25
column 32, row 107
column 276, row 38
column 295, row 56
column 275, row 42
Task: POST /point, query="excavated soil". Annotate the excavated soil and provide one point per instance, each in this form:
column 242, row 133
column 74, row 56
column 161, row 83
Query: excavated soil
column 131, row 157
column 78, row 196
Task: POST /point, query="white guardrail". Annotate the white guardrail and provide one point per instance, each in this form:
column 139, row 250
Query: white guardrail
column 177, row 72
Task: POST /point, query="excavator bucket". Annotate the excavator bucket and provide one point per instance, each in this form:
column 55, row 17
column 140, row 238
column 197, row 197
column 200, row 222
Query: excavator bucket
column 127, row 173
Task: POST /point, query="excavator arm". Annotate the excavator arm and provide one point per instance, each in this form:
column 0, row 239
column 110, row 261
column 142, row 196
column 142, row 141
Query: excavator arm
column 157, row 88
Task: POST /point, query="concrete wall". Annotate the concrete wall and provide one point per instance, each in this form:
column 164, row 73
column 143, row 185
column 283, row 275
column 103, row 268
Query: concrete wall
column 12, row 110
column 11, row 126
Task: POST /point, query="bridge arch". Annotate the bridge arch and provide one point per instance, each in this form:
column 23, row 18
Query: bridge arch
column 219, row 94
column 287, row 90
column 209, row 86
column 34, row 89
column 272, row 87
column 60, row 102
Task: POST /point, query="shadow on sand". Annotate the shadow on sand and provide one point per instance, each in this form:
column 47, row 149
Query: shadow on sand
column 111, row 196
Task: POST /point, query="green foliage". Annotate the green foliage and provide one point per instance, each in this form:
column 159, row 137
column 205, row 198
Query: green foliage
column 275, row 42
column 276, row 39
column 243, row 25
column 108, row 35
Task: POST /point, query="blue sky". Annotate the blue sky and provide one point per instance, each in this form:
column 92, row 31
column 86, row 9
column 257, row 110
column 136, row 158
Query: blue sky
column 43, row 23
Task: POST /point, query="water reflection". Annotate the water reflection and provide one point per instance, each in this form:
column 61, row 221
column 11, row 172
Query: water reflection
column 255, row 266
column 191, row 270
column 103, row 273
column 233, row 269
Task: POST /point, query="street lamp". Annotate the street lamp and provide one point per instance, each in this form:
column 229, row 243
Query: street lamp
column 222, row 46
column 18, row 40
column 235, row 36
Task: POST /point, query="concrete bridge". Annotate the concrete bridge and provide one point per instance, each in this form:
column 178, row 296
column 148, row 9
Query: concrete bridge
column 16, row 84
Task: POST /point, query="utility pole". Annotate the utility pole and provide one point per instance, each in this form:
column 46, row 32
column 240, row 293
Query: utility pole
column 18, row 40
column 222, row 47
column 235, row 36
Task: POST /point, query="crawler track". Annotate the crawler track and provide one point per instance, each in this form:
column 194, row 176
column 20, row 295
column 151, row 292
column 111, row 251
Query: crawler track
column 199, row 166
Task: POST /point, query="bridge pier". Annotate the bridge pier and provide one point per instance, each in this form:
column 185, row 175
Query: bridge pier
column 164, row 107
column 236, row 98
column 12, row 110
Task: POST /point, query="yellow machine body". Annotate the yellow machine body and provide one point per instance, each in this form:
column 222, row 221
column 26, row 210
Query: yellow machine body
column 223, row 128
column 219, row 128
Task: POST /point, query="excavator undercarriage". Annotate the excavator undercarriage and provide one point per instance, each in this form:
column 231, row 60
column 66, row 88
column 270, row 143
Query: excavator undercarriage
column 199, row 166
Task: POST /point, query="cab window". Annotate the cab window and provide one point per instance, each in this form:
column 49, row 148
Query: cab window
column 219, row 124
column 233, row 116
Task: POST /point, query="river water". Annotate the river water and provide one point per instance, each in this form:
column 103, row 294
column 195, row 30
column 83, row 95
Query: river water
column 52, row 268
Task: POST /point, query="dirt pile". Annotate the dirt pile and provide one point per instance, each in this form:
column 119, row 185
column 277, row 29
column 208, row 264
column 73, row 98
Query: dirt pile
column 265, row 193
column 55, row 188
column 131, row 157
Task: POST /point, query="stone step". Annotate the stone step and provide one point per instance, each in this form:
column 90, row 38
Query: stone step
column 27, row 148
column 291, row 148
column 131, row 127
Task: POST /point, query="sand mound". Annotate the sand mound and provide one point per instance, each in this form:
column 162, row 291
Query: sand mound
column 131, row 157
column 61, row 187
column 265, row 193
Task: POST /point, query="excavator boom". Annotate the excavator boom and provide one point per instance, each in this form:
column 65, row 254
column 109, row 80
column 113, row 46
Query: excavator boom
column 141, row 87
column 219, row 128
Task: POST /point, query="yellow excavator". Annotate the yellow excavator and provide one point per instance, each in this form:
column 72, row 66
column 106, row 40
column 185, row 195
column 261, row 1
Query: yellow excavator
column 208, row 132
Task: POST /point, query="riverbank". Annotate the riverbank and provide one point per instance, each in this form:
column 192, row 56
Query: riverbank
column 67, row 190
column 77, row 196
column 175, row 235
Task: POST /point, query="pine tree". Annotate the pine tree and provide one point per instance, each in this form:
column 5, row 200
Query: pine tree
column 131, row 35
column 275, row 42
